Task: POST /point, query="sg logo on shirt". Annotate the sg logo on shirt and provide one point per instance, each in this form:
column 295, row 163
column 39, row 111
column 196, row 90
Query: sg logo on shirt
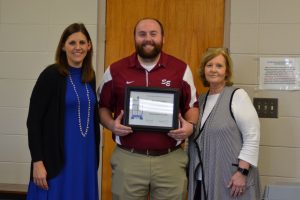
column 166, row 82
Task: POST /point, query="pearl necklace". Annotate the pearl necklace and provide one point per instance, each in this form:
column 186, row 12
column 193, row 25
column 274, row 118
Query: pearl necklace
column 78, row 108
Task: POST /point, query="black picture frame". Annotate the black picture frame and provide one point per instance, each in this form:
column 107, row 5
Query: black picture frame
column 151, row 108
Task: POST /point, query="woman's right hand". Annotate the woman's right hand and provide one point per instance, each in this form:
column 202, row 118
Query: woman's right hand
column 40, row 175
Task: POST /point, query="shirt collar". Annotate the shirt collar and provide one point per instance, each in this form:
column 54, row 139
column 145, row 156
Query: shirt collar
column 134, row 62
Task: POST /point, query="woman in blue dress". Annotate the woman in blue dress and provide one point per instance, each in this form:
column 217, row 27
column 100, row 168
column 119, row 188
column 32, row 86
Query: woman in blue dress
column 63, row 123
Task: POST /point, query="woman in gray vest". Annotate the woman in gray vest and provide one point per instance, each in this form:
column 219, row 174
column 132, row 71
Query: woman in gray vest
column 224, row 149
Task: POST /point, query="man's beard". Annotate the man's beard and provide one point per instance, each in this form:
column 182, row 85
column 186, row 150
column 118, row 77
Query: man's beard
column 151, row 54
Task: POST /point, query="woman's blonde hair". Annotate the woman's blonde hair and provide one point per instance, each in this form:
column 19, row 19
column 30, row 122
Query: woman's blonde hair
column 210, row 54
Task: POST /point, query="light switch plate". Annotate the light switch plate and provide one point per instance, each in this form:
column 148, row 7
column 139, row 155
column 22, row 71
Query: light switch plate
column 266, row 107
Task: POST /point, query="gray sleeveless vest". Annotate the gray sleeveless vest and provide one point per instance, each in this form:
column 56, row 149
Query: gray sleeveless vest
column 218, row 145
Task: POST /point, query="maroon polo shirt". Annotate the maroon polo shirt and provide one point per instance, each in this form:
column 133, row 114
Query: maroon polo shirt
column 169, row 72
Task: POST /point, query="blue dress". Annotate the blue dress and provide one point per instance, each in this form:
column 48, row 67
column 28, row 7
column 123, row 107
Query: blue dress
column 78, row 179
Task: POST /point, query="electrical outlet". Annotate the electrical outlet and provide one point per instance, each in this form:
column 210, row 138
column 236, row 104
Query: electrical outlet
column 266, row 107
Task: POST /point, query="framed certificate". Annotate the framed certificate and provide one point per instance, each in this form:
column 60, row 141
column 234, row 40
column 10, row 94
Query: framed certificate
column 154, row 109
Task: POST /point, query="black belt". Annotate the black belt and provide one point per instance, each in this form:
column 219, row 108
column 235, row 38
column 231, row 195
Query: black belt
column 149, row 152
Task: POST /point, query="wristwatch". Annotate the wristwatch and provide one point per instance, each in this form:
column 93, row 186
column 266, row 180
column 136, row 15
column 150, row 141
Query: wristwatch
column 243, row 171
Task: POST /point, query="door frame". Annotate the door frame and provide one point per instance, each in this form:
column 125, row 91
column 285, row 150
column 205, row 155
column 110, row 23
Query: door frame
column 100, row 66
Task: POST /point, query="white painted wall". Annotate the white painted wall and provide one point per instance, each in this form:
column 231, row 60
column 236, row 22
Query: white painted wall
column 269, row 28
column 29, row 33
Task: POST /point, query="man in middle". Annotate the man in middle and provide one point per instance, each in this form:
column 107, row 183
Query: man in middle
column 146, row 162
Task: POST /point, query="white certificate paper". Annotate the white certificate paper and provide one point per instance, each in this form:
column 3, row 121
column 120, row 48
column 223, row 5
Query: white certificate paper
column 151, row 109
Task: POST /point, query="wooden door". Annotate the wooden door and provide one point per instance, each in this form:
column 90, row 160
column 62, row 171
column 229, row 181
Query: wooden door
column 191, row 26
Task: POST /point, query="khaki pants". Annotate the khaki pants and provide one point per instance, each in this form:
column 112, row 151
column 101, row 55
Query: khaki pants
column 134, row 176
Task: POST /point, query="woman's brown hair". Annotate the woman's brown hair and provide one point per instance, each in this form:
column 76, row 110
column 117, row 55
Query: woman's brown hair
column 88, row 73
column 210, row 54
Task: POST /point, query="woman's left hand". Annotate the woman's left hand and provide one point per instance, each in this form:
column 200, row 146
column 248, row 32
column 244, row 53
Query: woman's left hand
column 237, row 184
